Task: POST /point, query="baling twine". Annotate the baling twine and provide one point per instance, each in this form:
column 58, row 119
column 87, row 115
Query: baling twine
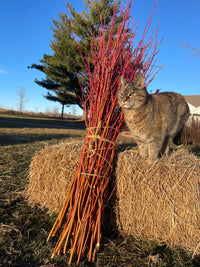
column 92, row 137
column 91, row 144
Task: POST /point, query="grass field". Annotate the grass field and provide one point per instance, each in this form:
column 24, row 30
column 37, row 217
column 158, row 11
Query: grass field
column 23, row 230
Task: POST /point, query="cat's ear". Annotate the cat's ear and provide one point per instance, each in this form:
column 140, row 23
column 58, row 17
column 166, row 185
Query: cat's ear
column 139, row 82
column 123, row 81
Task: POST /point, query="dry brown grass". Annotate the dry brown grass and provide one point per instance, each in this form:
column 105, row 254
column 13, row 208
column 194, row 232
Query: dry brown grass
column 159, row 203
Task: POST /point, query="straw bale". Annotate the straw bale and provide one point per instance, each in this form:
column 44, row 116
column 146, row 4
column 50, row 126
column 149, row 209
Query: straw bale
column 157, row 202
column 160, row 202
column 50, row 174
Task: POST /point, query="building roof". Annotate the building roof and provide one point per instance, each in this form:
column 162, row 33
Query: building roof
column 194, row 100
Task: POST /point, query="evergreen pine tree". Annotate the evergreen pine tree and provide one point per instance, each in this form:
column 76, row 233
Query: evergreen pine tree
column 63, row 66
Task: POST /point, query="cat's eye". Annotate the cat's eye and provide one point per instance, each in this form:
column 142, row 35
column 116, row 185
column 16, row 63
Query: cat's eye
column 121, row 95
column 131, row 94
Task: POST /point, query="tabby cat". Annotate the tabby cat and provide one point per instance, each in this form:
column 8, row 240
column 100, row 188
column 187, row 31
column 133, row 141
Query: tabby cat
column 153, row 119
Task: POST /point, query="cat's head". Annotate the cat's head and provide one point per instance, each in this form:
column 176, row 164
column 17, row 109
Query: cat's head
column 132, row 95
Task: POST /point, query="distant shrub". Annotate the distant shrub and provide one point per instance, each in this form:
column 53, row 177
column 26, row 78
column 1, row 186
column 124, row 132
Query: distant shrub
column 191, row 132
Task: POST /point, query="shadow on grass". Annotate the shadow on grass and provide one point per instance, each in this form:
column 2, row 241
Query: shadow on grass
column 9, row 139
column 13, row 122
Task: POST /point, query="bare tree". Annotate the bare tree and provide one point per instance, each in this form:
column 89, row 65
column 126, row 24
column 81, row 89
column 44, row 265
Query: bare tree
column 196, row 50
column 74, row 111
column 22, row 99
column 55, row 111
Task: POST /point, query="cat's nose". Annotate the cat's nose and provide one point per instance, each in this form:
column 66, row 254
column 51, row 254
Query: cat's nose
column 124, row 100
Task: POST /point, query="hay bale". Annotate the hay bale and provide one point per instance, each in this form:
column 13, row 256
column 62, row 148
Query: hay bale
column 50, row 174
column 159, row 202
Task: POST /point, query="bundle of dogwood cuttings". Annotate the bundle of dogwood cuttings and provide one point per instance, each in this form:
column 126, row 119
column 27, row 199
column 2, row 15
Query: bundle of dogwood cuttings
column 113, row 55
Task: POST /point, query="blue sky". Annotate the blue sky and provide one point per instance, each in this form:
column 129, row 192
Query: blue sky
column 26, row 33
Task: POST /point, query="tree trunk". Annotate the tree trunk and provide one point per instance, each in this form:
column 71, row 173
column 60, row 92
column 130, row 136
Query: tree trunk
column 62, row 112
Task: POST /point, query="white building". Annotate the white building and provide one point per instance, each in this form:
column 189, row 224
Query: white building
column 194, row 104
